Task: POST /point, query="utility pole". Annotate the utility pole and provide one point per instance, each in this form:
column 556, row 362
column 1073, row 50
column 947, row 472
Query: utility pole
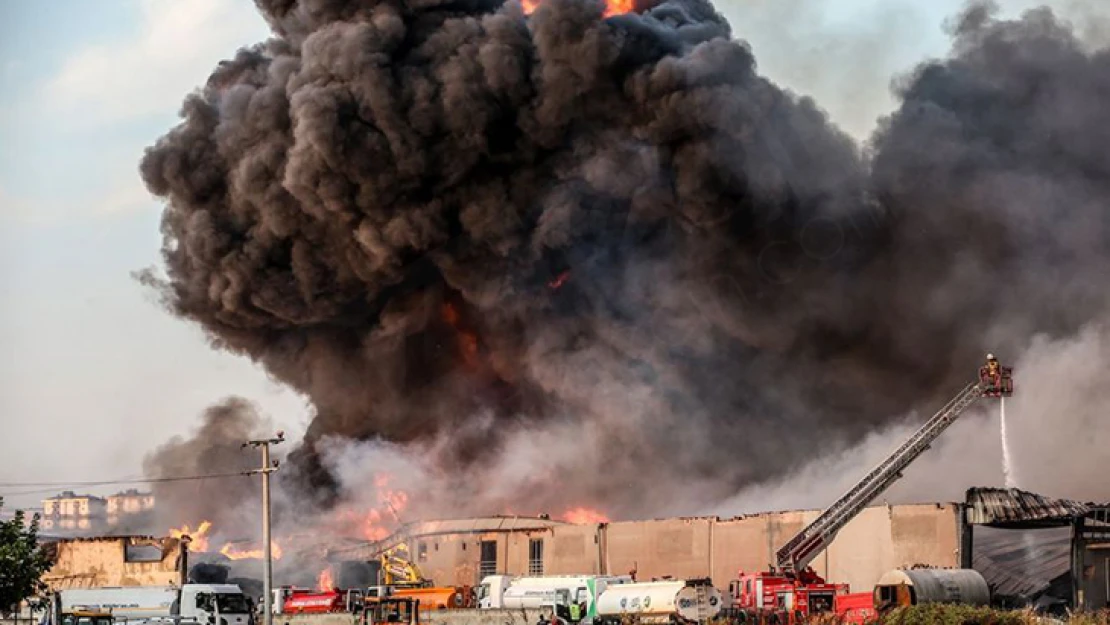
column 267, row 468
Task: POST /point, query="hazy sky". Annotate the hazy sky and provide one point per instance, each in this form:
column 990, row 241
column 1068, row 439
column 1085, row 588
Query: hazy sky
column 93, row 373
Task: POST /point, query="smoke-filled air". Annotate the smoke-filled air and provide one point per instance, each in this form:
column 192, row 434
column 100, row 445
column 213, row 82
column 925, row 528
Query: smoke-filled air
column 530, row 258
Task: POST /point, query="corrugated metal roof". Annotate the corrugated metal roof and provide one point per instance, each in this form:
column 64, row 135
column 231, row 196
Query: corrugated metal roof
column 1014, row 508
column 1021, row 564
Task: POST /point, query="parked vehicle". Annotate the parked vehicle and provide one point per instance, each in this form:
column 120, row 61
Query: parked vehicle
column 193, row 603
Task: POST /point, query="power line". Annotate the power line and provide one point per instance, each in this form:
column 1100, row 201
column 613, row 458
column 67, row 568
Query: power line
column 116, row 482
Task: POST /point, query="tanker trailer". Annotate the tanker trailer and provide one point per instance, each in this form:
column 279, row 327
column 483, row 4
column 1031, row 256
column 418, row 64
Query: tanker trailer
column 669, row 601
column 920, row 586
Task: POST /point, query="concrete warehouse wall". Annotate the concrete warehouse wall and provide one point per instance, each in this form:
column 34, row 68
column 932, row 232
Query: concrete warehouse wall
column 114, row 561
column 878, row 540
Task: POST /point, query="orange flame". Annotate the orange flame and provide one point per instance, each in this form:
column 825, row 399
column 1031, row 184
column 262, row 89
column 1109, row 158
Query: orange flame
column 559, row 280
column 232, row 553
column 199, row 536
column 619, row 7
column 324, row 582
column 381, row 520
column 468, row 341
column 612, row 7
column 584, row 515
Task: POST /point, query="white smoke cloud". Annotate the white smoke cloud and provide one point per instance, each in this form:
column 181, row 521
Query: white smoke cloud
column 1057, row 426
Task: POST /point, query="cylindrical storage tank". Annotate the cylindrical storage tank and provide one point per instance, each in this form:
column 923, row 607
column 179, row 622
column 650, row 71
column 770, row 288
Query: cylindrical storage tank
column 964, row 586
column 660, row 599
column 440, row 598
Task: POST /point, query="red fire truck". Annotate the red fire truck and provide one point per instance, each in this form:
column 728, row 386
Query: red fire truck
column 780, row 598
column 856, row 608
column 793, row 592
column 290, row 600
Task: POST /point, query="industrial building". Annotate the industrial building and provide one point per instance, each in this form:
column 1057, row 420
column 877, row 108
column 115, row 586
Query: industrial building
column 1062, row 555
column 460, row 552
column 1069, row 563
column 1073, row 567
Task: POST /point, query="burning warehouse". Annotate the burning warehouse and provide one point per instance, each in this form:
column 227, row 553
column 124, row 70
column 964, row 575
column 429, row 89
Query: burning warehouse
column 1049, row 552
column 461, row 552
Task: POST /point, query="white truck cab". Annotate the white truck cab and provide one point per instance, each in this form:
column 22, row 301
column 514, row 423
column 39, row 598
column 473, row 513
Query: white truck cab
column 492, row 589
column 215, row 604
column 202, row 604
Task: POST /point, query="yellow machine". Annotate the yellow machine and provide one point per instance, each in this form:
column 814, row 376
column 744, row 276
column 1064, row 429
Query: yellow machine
column 398, row 569
column 402, row 578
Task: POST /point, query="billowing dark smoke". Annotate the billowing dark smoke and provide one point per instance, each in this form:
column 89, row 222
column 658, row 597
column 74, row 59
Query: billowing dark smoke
column 996, row 163
column 607, row 250
column 205, row 573
column 213, row 449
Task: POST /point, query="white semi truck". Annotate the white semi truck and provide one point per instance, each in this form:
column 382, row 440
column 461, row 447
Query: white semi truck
column 512, row 593
column 205, row 604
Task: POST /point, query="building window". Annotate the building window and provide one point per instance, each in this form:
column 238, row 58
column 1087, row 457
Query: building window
column 142, row 553
column 535, row 556
column 422, row 551
column 487, row 564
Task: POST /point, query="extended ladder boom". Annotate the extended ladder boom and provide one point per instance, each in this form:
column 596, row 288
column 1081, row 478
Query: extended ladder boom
column 803, row 548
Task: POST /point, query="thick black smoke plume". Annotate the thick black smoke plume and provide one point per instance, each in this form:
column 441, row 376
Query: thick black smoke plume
column 601, row 258
column 208, row 574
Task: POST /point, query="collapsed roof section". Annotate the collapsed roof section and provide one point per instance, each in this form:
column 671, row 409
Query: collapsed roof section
column 1012, row 508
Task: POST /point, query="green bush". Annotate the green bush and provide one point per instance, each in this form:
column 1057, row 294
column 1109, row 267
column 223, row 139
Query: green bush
column 937, row 614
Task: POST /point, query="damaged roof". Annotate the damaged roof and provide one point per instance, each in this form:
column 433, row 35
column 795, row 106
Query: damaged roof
column 478, row 525
column 1022, row 564
column 1016, row 509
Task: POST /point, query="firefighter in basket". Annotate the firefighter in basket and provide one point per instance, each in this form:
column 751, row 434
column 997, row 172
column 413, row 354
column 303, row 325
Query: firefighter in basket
column 995, row 378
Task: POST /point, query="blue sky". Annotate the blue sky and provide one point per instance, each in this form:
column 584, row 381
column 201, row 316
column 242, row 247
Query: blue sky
column 93, row 373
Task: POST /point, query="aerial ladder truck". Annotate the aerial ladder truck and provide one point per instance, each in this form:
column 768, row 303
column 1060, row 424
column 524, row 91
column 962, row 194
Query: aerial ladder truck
column 792, row 591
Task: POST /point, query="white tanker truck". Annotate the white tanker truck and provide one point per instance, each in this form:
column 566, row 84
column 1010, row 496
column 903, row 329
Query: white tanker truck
column 667, row 601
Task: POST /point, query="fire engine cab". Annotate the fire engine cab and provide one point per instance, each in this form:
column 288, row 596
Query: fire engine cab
column 783, row 599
